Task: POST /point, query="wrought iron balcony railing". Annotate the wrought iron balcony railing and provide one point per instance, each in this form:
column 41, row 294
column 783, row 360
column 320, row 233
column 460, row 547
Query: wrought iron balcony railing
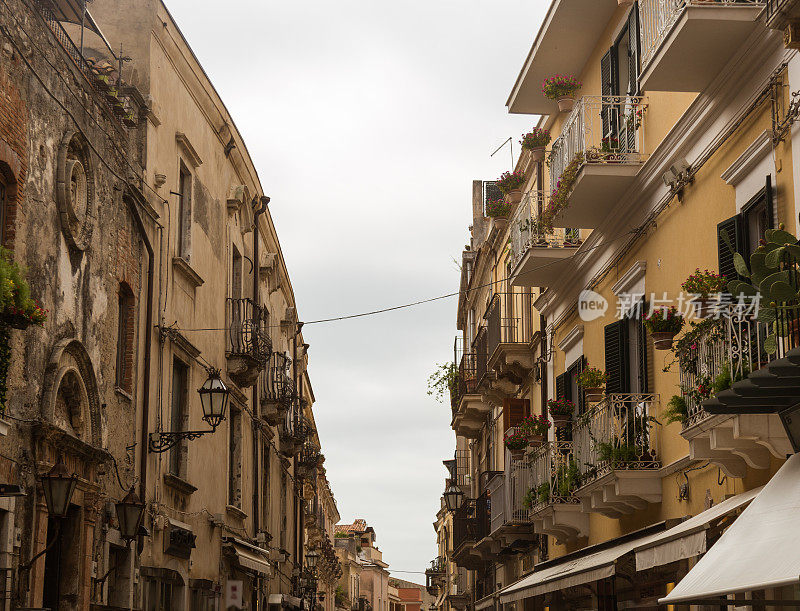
column 466, row 378
column 463, row 468
column 465, row 525
column 296, row 427
column 658, row 17
column 727, row 347
column 526, row 232
column 309, row 455
column 519, row 482
column 620, row 433
column 247, row 331
column 481, row 348
column 511, row 320
column 600, row 129
column 276, row 381
column 554, row 475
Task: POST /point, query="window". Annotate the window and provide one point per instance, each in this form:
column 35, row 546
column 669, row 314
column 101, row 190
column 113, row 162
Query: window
column 265, row 481
column 202, row 598
column 626, row 354
column 236, row 274
column 235, row 457
column 184, row 221
column 514, row 410
column 745, row 229
column 161, row 595
column 619, row 73
column 125, row 338
column 180, row 415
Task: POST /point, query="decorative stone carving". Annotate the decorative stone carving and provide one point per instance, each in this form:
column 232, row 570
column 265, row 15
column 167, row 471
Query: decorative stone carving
column 75, row 190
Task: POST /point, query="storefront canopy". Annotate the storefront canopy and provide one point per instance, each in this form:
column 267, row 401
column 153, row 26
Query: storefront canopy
column 577, row 571
column 689, row 538
column 758, row 551
column 249, row 556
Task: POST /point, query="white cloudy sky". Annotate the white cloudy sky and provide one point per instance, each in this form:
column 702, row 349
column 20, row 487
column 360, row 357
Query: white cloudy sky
column 367, row 121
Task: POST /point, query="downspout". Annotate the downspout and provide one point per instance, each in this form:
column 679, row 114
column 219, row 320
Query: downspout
column 148, row 344
column 257, row 212
column 541, row 362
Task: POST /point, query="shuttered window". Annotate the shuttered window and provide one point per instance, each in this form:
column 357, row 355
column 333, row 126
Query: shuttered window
column 642, row 347
column 561, row 386
column 633, row 51
column 573, row 391
column 608, row 87
column 514, row 410
column 616, row 349
column 733, row 227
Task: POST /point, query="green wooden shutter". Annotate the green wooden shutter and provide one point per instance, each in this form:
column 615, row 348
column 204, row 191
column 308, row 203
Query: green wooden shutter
column 561, row 386
column 608, row 87
column 633, row 50
column 581, row 399
column 644, row 378
column 616, row 348
column 733, row 226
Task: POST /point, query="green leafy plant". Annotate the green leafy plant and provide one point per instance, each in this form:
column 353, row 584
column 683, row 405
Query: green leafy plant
column 529, row 500
column 560, row 86
column 568, row 477
column 592, row 377
column 773, row 276
column 443, row 379
column 536, row 138
column 543, row 493
column 559, row 196
column 676, row 410
column 510, row 181
column 618, row 453
column 724, row 379
column 664, row 320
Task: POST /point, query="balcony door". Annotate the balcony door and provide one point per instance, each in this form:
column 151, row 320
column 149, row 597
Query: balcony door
column 619, row 73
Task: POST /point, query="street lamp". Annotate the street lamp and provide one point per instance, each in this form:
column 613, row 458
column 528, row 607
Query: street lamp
column 453, row 497
column 58, row 485
column 130, row 512
column 214, row 397
column 311, row 559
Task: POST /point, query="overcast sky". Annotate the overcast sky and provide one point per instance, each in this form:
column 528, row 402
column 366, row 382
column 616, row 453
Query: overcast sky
column 367, row 121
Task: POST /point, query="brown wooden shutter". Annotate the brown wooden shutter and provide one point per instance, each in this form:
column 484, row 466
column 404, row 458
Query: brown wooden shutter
column 514, row 410
column 561, row 386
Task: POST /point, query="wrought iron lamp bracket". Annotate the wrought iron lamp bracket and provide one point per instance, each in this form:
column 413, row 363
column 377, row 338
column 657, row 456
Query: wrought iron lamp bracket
column 166, row 440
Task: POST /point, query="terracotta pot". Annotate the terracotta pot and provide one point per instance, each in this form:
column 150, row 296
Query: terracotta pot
column 537, row 154
column 662, row 340
column 561, row 420
column 594, row 395
column 514, row 197
column 566, row 104
column 517, row 454
column 534, row 441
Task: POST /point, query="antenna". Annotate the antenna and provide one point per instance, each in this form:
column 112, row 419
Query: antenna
column 507, row 141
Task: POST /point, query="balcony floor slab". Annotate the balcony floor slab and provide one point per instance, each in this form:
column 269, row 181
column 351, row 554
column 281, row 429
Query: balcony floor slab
column 543, row 266
column 597, row 189
column 621, row 492
column 714, row 33
column 565, row 521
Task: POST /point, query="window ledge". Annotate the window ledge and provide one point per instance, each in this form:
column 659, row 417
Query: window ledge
column 235, row 512
column 179, row 484
column 124, row 393
column 187, row 271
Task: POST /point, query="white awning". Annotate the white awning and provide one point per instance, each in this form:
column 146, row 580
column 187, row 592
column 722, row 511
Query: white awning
column 249, row 556
column 484, row 603
column 758, row 551
column 584, row 569
column 688, row 539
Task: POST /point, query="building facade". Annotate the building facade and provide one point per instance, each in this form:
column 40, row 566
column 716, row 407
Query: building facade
column 365, row 578
column 133, row 212
column 659, row 167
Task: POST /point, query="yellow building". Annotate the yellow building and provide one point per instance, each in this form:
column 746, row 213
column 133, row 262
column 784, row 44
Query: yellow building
column 682, row 128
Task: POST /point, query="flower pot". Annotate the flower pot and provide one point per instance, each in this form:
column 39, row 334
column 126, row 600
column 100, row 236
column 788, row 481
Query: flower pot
column 662, row 340
column 537, row 154
column 593, row 395
column 514, row 197
column 501, row 222
column 517, row 454
column 561, row 420
column 534, row 441
column 566, row 104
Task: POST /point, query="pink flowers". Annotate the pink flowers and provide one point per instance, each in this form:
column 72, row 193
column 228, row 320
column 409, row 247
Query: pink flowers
column 704, row 283
column 560, row 86
column 537, row 138
column 497, row 208
column 664, row 320
column 510, row 181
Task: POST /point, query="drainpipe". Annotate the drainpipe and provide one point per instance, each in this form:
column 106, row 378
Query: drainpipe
column 543, row 351
column 259, row 207
column 148, row 344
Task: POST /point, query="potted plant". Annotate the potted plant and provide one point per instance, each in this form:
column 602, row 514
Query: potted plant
column 543, row 493
column 498, row 208
column 510, row 183
column 516, row 442
column 701, row 285
column 561, row 88
column 592, row 380
column 535, row 141
column 664, row 324
column 676, row 410
column 535, row 427
column 561, row 411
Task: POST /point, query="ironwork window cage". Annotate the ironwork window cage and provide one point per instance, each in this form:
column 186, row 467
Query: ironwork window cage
column 277, row 386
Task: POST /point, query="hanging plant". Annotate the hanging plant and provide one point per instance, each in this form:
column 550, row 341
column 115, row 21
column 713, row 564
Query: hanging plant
column 498, row 208
column 559, row 197
column 510, row 181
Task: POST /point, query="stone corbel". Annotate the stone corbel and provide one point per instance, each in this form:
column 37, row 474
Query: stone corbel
column 267, row 264
column 236, row 198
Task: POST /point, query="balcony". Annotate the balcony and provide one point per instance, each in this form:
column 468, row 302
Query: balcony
column 277, row 388
column 602, row 145
column 469, row 410
column 616, row 450
column 294, row 430
column 675, row 33
column 779, row 13
column 249, row 345
column 543, row 492
column 732, row 345
column 466, row 530
column 539, row 258
column 511, row 325
column 458, row 594
column 509, row 531
column 435, row 575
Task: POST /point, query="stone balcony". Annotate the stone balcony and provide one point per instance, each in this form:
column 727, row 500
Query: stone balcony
column 675, row 33
column 617, row 456
column 596, row 158
column 468, row 407
column 511, row 327
column 732, row 345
